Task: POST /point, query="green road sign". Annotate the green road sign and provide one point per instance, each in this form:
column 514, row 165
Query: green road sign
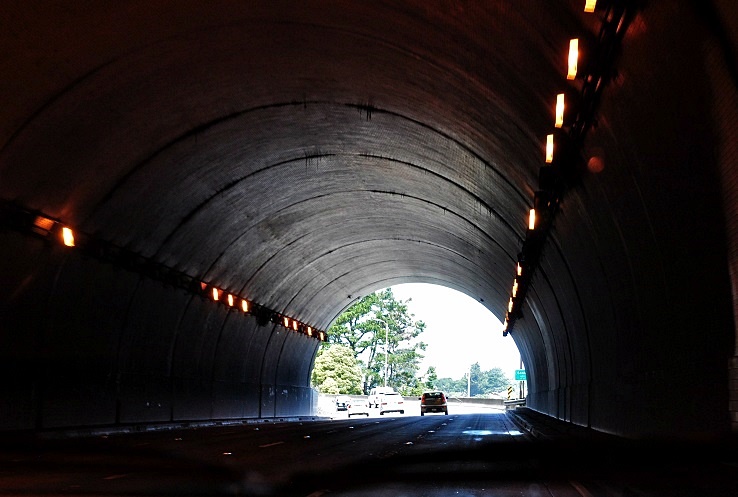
column 520, row 375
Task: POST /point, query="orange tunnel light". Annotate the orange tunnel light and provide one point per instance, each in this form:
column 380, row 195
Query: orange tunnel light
column 231, row 300
column 286, row 322
column 309, row 331
column 589, row 5
column 549, row 149
column 510, row 305
column 515, row 288
column 573, row 58
column 520, row 269
column 68, row 237
column 244, row 306
column 532, row 219
column 559, row 110
column 295, row 325
column 216, row 294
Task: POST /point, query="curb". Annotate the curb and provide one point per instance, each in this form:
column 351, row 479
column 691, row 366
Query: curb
column 184, row 425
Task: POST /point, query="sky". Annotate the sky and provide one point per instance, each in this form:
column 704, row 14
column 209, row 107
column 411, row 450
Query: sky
column 458, row 339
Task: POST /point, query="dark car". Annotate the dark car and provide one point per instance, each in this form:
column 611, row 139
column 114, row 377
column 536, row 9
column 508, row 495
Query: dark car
column 433, row 402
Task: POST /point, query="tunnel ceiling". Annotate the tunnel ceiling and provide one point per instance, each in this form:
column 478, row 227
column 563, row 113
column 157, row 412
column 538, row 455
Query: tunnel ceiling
column 303, row 156
column 300, row 155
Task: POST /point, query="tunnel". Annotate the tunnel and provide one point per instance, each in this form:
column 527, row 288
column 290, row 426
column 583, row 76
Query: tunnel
column 230, row 176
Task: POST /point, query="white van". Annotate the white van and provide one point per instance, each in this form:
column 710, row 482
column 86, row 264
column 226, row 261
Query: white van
column 376, row 393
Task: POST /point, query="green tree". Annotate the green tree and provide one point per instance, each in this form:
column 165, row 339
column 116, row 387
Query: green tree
column 477, row 380
column 482, row 382
column 337, row 371
column 330, row 386
column 431, row 378
column 495, row 381
column 451, row 387
column 362, row 328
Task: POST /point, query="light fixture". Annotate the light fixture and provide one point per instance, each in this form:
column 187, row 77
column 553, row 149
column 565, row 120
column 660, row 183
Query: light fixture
column 295, row 325
column 286, row 322
column 567, row 108
column 573, row 58
column 322, row 336
column 532, row 219
column 67, row 237
column 515, row 288
column 510, row 305
column 520, row 269
column 244, row 306
column 309, row 331
column 549, row 149
column 216, row 294
column 589, row 5
column 44, row 225
column 230, row 300
column 560, row 107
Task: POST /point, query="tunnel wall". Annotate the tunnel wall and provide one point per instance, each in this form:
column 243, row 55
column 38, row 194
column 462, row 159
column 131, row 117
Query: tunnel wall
column 629, row 325
column 83, row 343
column 722, row 74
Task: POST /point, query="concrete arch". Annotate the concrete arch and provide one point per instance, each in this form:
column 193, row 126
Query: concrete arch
column 304, row 156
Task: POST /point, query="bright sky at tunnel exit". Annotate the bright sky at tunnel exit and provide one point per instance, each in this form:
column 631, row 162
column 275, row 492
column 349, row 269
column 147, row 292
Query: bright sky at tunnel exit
column 469, row 333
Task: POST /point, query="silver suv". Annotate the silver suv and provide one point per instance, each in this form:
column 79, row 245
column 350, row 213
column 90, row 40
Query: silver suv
column 376, row 393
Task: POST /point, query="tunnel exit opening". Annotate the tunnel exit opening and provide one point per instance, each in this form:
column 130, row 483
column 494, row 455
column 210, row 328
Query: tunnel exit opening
column 417, row 337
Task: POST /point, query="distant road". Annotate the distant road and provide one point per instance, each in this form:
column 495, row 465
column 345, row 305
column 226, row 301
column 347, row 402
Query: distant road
column 327, row 408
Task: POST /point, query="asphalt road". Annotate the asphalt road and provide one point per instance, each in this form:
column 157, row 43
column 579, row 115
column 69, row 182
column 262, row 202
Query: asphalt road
column 460, row 455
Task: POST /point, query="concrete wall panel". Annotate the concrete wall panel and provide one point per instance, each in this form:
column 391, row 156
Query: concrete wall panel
column 233, row 400
column 144, row 398
column 28, row 271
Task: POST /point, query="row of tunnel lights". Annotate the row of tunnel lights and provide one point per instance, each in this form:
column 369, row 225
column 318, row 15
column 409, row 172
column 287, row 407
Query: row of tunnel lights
column 563, row 117
column 67, row 236
column 236, row 302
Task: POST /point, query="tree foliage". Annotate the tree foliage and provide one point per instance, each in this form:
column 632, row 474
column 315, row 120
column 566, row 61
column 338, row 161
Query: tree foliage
column 482, row 383
column 431, row 377
column 337, row 371
column 362, row 328
column 453, row 388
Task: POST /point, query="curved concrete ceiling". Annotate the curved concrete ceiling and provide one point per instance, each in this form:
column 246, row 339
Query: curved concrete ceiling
column 261, row 147
column 304, row 155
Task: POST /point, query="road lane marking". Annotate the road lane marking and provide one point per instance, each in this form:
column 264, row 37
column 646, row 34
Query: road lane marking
column 270, row 445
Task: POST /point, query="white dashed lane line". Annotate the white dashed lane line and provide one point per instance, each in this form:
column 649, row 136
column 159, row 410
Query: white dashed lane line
column 270, row 445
